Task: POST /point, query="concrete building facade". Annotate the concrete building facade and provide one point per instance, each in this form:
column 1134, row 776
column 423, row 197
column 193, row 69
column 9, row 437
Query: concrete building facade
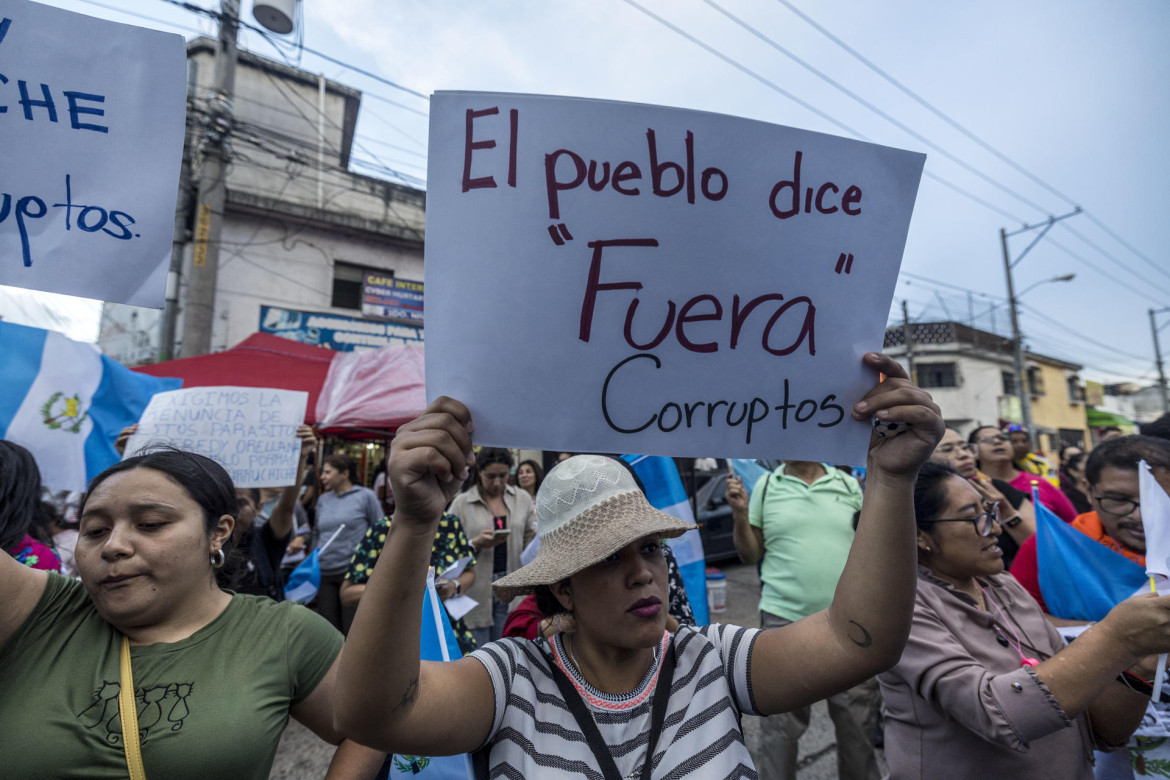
column 300, row 230
column 970, row 374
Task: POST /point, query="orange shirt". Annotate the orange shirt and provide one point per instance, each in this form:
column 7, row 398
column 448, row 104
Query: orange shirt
column 1090, row 525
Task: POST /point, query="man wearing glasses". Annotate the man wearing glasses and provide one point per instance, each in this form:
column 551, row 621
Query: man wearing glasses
column 1116, row 519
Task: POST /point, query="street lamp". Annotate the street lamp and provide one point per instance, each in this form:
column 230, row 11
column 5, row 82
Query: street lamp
column 1017, row 338
column 1034, row 285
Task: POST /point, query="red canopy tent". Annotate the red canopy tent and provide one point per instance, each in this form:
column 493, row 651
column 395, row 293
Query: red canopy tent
column 368, row 396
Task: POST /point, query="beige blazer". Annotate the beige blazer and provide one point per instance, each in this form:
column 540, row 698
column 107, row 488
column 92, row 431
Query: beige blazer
column 476, row 517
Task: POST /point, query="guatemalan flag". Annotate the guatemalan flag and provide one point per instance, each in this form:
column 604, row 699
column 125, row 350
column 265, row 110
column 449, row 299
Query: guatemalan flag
column 65, row 402
column 438, row 643
column 665, row 492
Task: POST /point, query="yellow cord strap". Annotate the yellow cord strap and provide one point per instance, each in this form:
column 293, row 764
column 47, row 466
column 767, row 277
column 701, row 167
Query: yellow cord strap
column 128, row 714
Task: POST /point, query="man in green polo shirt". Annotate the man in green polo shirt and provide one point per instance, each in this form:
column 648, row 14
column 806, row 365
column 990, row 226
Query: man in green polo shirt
column 799, row 522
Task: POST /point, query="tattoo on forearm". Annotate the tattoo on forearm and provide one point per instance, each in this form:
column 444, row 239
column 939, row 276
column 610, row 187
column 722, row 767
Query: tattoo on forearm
column 865, row 641
column 411, row 693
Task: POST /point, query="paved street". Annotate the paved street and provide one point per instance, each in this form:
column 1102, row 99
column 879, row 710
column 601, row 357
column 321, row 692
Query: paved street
column 302, row 756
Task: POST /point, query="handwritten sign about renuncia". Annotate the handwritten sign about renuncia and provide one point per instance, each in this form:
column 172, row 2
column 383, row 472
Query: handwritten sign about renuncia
column 92, row 115
column 612, row 277
column 251, row 432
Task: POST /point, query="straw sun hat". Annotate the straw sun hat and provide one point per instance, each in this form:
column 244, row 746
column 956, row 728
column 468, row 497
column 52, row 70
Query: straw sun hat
column 588, row 507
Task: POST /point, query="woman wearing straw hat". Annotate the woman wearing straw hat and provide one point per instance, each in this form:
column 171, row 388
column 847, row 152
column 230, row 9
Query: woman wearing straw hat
column 610, row 699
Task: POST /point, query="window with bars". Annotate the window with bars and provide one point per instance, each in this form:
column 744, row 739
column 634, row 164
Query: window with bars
column 1009, row 382
column 937, row 375
column 1035, row 381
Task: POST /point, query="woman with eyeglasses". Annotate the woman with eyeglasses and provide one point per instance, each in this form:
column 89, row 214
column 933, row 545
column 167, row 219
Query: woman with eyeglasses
column 994, row 457
column 1017, row 517
column 985, row 686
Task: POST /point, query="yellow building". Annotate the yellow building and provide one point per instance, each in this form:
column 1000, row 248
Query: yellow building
column 1058, row 403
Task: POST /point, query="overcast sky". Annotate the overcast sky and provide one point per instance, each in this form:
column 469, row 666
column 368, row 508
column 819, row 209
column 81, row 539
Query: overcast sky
column 1072, row 93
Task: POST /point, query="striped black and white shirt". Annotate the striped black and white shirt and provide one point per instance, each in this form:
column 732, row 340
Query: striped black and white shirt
column 535, row 735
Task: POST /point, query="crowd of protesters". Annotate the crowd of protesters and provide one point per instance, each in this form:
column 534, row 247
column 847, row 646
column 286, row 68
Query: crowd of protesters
column 917, row 601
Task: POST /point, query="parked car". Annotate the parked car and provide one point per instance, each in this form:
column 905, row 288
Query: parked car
column 713, row 515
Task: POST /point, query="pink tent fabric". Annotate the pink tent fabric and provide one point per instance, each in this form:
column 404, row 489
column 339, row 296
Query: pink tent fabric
column 381, row 388
column 353, row 394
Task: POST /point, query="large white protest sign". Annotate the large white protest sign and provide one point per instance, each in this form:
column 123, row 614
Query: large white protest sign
column 251, row 432
column 612, row 277
column 92, row 115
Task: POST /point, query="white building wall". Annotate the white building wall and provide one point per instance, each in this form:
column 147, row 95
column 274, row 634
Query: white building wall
column 298, row 278
column 279, row 244
column 975, row 401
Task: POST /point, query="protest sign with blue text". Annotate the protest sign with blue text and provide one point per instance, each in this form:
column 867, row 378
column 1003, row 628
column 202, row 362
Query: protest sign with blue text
column 92, row 115
column 250, row 431
column 681, row 283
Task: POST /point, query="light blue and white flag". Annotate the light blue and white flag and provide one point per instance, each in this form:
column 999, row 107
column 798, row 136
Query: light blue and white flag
column 749, row 471
column 438, row 643
column 305, row 580
column 665, row 492
column 66, row 402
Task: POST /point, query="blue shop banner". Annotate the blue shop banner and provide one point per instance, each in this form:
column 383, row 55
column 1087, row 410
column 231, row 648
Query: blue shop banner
column 335, row 331
column 393, row 299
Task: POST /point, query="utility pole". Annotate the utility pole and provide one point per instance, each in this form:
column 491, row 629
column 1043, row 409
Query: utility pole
column 199, row 312
column 166, row 340
column 908, row 337
column 1022, row 390
column 1017, row 340
column 1158, row 359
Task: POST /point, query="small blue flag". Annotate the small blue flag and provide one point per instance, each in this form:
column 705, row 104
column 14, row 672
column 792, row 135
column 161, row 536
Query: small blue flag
column 305, row 580
column 749, row 471
column 1080, row 578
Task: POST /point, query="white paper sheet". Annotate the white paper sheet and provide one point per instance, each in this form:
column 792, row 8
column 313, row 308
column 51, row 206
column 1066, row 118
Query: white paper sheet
column 455, row 569
column 675, row 294
column 458, row 606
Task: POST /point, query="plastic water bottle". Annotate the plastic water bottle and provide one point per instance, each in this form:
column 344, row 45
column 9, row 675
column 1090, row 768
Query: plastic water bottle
column 716, row 591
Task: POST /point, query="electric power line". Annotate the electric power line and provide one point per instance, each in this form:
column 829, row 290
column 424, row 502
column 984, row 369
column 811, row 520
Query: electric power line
column 751, row 29
column 967, row 133
column 136, row 15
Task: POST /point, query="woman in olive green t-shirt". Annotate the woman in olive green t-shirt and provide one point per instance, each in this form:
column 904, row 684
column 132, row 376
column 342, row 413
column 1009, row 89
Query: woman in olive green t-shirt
column 216, row 674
